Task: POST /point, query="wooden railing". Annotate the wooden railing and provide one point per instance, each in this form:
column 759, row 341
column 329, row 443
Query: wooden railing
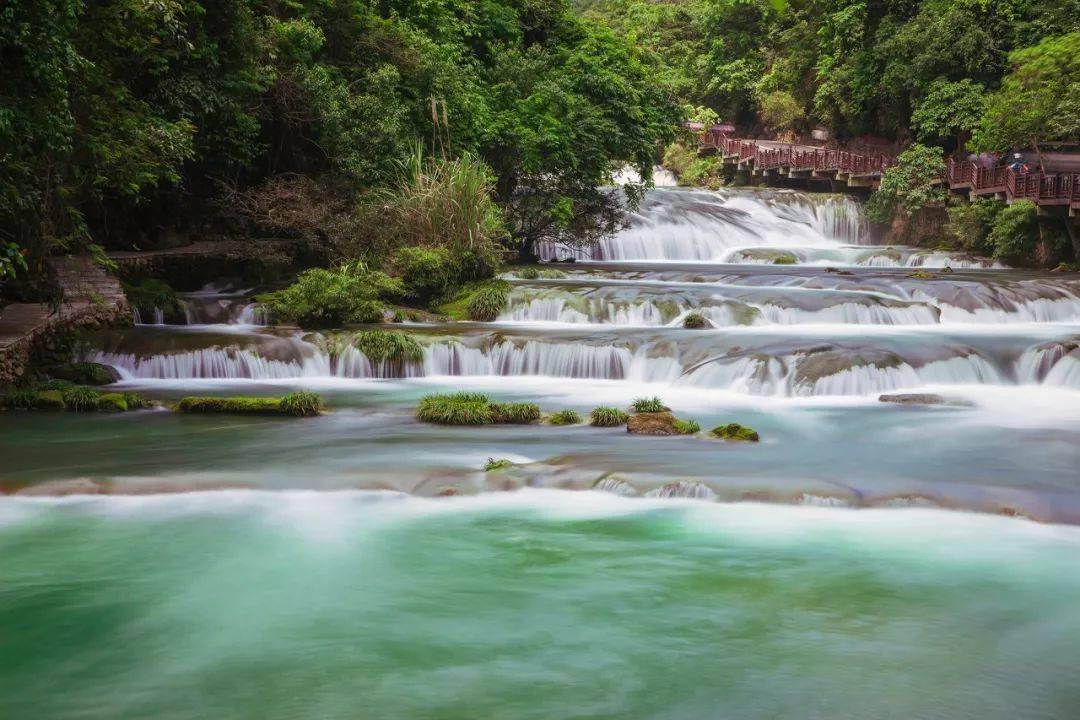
column 1042, row 188
column 795, row 157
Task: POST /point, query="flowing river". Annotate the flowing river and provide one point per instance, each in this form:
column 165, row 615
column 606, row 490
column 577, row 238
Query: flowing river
column 865, row 559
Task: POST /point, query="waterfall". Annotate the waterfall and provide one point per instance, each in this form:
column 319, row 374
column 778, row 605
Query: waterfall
column 699, row 225
column 1051, row 364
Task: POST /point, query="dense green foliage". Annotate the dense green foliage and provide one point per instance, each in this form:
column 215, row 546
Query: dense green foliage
column 126, row 122
column 886, row 68
column 322, row 298
column 909, row 185
column 1015, row 231
column 970, row 224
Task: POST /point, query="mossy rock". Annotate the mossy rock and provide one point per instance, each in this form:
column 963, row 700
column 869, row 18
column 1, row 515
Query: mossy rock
column 282, row 406
column 921, row 275
column 50, row 400
column 84, row 373
column 112, row 402
column 736, row 432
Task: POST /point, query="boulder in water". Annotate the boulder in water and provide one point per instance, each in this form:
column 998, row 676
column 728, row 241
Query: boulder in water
column 922, row 399
column 736, row 432
column 652, row 423
column 84, row 373
column 838, row 271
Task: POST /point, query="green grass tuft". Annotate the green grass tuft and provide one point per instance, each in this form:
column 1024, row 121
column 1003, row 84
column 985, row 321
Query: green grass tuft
column 455, row 409
column 301, row 404
column 687, row 427
column 490, row 300
column 607, row 417
column 649, row 405
column 80, row 399
column 394, row 347
column 514, row 413
column 564, row 417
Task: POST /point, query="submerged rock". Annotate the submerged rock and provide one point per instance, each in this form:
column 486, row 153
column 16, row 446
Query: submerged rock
column 615, row 485
column 923, row 399
column 735, row 431
column 682, row 489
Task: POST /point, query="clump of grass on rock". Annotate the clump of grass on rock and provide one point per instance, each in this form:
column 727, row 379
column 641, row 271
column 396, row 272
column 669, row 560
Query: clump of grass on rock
column 461, row 408
column 394, row 347
column 490, row 300
column 564, row 417
column 607, row 417
column 514, row 413
column 734, row 431
column 80, row 399
column 687, row 427
column 649, row 405
column 301, row 404
column 497, row 464
column 696, row 321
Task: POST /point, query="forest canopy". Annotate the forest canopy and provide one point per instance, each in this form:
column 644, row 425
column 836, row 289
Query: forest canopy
column 122, row 120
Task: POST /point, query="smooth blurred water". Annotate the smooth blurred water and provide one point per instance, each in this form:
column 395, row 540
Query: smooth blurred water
column 535, row 604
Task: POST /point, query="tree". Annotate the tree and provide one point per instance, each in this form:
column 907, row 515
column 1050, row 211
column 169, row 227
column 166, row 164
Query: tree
column 949, row 110
column 910, row 185
column 780, row 111
column 1038, row 100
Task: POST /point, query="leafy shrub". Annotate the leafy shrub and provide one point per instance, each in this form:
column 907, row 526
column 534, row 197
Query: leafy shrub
column 649, row 405
column 427, row 273
column 527, row 273
column 389, row 346
column 80, row 399
column 687, row 427
column 564, row 417
column 970, row 224
column 490, row 300
column 1015, row 232
column 515, row 413
column 500, row 464
column 301, row 404
column 696, row 321
column 607, row 417
column 455, row 409
column 734, row 431
column 323, row 298
column 909, row 185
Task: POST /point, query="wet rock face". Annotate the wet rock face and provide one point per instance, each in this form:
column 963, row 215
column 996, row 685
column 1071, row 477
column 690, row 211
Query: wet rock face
column 659, row 423
column 819, row 364
column 923, row 399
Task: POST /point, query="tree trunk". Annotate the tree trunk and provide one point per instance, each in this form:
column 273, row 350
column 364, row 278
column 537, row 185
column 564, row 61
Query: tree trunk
column 1074, row 237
